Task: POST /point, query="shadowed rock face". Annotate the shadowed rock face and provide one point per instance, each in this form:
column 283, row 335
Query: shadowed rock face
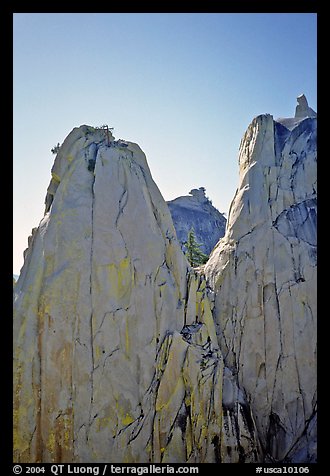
column 115, row 351
column 263, row 274
column 197, row 212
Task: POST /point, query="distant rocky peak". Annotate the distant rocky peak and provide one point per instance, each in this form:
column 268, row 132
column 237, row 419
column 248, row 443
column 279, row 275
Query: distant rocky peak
column 302, row 108
column 195, row 211
column 199, row 194
column 303, row 111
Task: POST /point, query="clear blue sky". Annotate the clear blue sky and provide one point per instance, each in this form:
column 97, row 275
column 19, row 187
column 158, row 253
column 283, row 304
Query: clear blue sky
column 184, row 86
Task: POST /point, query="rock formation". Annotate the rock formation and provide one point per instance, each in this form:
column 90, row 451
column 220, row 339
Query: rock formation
column 124, row 353
column 196, row 211
column 302, row 109
column 263, row 274
column 115, row 351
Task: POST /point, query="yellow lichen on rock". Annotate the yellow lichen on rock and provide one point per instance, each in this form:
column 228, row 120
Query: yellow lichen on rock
column 56, row 177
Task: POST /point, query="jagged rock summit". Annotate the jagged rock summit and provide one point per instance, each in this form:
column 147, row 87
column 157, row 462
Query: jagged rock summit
column 124, row 353
column 303, row 111
column 196, row 211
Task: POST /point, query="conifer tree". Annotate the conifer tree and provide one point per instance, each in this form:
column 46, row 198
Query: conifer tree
column 194, row 253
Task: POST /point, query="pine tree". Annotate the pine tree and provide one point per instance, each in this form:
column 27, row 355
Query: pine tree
column 193, row 252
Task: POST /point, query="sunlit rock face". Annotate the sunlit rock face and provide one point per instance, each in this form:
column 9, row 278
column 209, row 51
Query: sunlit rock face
column 116, row 356
column 195, row 211
column 263, row 276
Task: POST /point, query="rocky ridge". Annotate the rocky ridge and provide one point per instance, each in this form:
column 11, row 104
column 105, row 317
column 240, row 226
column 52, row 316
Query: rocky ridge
column 124, row 353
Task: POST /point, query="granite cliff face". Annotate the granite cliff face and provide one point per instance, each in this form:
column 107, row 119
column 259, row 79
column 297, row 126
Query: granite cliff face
column 263, row 275
column 115, row 351
column 124, row 353
column 196, row 211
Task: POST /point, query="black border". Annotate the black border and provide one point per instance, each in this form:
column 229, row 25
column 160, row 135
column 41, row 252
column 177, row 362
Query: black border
column 6, row 17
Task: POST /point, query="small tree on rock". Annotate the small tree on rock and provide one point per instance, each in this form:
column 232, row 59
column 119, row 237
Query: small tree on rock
column 194, row 253
column 106, row 129
column 56, row 148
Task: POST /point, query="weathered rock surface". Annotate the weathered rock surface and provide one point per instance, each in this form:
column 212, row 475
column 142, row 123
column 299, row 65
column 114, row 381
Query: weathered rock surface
column 263, row 275
column 196, row 211
column 115, row 351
